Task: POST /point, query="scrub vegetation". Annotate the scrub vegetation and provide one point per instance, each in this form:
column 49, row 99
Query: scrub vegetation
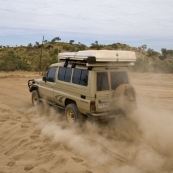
column 28, row 57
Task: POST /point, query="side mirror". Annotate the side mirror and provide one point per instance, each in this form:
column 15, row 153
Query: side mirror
column 44, row 78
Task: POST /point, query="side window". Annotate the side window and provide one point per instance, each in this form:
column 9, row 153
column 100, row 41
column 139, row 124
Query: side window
column 102, row 81
column 80, row 77
column 64, row 74
column 51, row 75
column 68, row 74
column 76, row 76
column 61, row 73
column 84, row 78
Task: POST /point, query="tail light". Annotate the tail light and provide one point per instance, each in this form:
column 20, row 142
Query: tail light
column 92, row 106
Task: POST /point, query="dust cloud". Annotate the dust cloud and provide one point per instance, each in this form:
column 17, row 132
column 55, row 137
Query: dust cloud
column 141, row 142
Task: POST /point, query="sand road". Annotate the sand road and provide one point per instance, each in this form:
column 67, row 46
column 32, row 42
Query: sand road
column 39, row 140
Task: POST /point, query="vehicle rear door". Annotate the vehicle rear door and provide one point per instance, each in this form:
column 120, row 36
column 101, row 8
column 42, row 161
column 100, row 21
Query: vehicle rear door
column 103, row 92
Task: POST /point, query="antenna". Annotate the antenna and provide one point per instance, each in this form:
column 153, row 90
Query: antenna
column 41, row 54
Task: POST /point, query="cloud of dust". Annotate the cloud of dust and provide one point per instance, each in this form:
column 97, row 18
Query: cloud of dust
column 144, row 139
column 155, row 151
column 76, row 138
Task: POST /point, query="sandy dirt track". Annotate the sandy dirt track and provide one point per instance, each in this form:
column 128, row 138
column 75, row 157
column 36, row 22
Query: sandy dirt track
column 39, row 140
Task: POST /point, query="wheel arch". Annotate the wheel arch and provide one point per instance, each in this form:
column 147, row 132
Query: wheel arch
column 33, row 87
column 69, row 101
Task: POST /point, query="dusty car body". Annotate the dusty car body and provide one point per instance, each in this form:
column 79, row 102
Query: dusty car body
column 90, row 83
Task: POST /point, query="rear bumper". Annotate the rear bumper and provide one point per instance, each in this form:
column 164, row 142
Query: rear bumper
column 102, row 116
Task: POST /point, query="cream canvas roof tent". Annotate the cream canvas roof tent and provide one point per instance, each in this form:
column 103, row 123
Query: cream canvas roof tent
column 98, row 57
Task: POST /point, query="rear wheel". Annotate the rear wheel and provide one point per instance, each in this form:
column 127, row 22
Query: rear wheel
column 35, row 98
column 72, row 113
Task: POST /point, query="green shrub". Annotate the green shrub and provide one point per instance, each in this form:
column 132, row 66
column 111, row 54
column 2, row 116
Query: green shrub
column 165, row 66
column 142, row 65
column 10, row 62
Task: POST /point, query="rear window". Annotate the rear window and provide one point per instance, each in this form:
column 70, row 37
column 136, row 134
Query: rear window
column 102, row 81
column 118, row 78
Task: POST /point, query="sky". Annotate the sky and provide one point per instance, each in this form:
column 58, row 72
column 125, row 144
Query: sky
column 132, row 22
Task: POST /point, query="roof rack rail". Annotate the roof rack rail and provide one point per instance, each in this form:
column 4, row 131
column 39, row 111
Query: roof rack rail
column 90, row 60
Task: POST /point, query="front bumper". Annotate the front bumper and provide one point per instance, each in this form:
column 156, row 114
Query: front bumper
column 30, row 83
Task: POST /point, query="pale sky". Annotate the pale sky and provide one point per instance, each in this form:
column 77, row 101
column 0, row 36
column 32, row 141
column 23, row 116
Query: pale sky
column 132, row 22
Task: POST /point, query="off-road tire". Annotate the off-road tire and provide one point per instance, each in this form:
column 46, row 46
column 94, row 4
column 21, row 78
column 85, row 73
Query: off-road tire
column 72, row 113
column 35, row 98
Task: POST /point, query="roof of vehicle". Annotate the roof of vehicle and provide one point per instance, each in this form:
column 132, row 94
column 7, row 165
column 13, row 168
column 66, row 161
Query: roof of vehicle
column 99, row 55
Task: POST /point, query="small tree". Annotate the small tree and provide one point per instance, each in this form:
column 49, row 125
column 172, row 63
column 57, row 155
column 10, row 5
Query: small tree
column 144, row 47
column 37, row 43
column 45, row 41
column 151, row 52
column 141, row 65
column 96, row 42
column 71, row 41
column 29, row 45
column 164, row 51
column 95, row 45
column 55, row 39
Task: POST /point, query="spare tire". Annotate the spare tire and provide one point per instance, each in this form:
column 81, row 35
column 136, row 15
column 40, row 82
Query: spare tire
column 124, row 98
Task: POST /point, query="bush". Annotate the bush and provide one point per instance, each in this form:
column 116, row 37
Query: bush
column 10, row 62
column 158, row 66
column 165, row 66
column 151, row 52
column 142, row 65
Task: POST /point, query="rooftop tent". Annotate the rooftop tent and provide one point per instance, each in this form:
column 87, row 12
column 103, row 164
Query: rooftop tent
column 100, row 55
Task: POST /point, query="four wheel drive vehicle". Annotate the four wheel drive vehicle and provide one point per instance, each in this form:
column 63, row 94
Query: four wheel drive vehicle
column 91, row 83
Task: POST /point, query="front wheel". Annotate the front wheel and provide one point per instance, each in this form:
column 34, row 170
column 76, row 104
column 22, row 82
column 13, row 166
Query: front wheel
column 35, row 98
column 72, row 113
